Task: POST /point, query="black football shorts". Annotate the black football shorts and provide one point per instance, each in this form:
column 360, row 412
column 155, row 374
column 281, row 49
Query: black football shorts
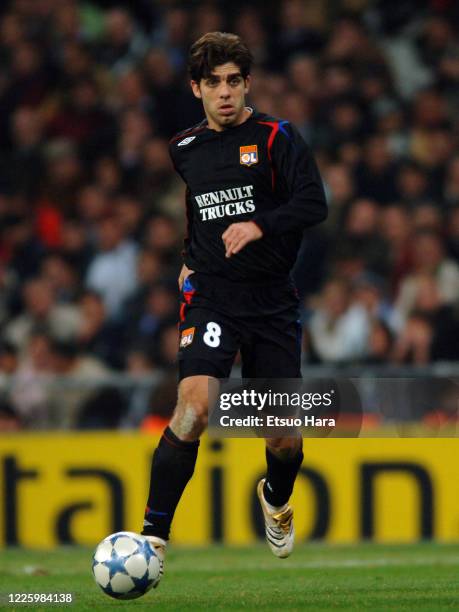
column 219, row 317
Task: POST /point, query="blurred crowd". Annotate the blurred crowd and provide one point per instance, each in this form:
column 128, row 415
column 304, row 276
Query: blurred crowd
column 92, row 213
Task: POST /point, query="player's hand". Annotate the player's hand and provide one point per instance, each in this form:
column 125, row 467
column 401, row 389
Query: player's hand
column 237, row 235
column 184, row 273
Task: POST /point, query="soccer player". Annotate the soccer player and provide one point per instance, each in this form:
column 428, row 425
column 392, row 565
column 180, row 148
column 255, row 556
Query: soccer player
column 252, row 187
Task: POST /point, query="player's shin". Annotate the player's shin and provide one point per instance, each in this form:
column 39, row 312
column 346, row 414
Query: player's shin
column 172, row 467
column 282, row 470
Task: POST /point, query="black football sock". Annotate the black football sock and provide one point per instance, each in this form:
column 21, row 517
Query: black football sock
column 280, row 477
column 171, row 469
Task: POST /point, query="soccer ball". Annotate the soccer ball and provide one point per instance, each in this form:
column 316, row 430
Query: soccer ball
column 125, row 566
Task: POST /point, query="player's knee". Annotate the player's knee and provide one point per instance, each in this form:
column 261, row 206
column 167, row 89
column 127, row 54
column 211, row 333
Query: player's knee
column 191, row 414
column 193, row 392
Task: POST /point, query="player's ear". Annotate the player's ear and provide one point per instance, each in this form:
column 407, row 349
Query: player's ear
column 248, row 81
column 196, row 89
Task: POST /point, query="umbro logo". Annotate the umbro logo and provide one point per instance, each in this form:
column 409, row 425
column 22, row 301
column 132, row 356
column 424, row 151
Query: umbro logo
column 186, row 141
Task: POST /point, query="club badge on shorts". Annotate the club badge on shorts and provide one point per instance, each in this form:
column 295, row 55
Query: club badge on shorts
column 187, row 337
column 248, row 155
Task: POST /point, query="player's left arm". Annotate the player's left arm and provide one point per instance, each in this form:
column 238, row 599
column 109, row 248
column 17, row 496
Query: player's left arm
column 237, row 235
column 293, row 161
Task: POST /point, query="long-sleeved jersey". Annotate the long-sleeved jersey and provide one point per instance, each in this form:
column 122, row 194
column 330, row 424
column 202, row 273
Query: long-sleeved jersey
column 261, row 171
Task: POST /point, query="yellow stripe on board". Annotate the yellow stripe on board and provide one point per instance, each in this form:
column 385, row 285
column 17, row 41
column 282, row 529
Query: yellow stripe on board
column 59, row 488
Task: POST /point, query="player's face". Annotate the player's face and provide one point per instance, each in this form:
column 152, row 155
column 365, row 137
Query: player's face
column 223, row 96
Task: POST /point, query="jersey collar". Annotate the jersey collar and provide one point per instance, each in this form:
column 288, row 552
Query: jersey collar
column 253, row 115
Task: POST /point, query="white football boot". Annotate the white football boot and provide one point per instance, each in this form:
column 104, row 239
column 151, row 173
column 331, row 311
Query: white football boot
column 159, row 546
column 280, row 534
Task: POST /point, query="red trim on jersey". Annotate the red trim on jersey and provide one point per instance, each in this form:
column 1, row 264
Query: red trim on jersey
column 188, row 296
column 274, row 129
column 184, row 135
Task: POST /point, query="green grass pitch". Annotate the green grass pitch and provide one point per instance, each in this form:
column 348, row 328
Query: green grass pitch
column 316, row 577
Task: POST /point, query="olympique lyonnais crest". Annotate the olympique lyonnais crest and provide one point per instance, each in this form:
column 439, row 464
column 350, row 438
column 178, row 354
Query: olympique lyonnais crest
column 187, row 337
column 248, row 155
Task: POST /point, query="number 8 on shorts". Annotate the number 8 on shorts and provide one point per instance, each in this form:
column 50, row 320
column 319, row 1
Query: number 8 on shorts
column 212, row 335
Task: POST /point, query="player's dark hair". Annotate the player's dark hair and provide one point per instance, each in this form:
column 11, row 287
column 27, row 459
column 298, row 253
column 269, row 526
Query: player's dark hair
column 217, row 48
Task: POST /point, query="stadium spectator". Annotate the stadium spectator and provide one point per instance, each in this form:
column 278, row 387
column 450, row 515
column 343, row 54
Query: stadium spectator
column 98, row 335
column 42, row 312
column 412, row 183
column 427, row 217
column 172, row 34
column 61, row 276
column 369, row 291
column 340, row 189
column 161, row 237
column 132, row 92
column 128, row 211
column 375, row 175
column 441, row 317
column 303, row 72
column 168, row 338
column 141, row 368
column 112, row 271
column 135, row 129
column 83, row 121
column 250, row 27
column 430, row 260
column 155, row 173
column 414, row 341
column 397, row 230
column 380, row 344
column 175, row 106
column 64, row 174
column 75, row 245
column 22, row 169
column 68, row 399
column 20, row 246
column 30, row 385
column 296, row 109
column 208, row 18
column 149, row 272
column 123, row 43
column 107, row 175
column 360, row 233
column 338, row 327
column 160, row 305
column 297, row 32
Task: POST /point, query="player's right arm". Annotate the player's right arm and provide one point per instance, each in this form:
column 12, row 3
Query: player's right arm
column 184, row 273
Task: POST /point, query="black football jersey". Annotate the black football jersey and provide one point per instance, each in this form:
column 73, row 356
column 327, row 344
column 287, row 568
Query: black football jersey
column 261, row 171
